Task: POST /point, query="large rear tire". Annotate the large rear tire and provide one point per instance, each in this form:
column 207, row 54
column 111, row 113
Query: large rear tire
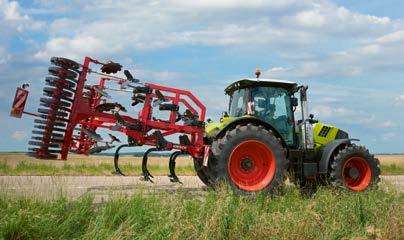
column 250, row 159
column 354, row 168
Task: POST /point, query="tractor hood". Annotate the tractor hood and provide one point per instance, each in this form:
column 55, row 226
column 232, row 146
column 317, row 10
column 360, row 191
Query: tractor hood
column 213, row 127
column 325, row 133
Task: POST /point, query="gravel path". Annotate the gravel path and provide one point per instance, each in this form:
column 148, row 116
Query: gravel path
column 103, row 186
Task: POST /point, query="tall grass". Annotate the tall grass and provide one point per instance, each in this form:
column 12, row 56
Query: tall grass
column 328, row 214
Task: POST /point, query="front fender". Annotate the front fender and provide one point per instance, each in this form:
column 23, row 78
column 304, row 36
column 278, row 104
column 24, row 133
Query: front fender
column 328, row 150
column 246, row 120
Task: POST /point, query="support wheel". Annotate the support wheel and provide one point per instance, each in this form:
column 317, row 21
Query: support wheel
column 250, row 158
column 354, row 168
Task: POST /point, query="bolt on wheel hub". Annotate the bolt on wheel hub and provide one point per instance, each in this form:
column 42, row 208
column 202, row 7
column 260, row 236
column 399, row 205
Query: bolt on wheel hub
column 246, row 164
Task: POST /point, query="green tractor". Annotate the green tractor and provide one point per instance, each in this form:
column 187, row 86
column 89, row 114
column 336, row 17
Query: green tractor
column 258, row 143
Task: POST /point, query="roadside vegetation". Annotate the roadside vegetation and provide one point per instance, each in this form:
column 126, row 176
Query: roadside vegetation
column 101, row 169
column 327, row 214
column 20, row 164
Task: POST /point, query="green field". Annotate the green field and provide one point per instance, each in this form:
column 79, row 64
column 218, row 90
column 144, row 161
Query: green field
column 327, row 214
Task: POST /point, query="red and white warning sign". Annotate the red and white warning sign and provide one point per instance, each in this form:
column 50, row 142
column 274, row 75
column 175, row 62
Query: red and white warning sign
column 20, row 99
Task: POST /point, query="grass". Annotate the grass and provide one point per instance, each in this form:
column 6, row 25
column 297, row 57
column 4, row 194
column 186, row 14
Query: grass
column 20, row 164
column 392, row 169
column 328, row 214
column 27, row 168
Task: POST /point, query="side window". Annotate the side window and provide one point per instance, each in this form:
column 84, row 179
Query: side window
column 237, row 103
column 272, row 105
column 280, row 107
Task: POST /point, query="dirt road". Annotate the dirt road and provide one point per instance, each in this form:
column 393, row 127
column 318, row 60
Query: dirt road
column 104, row 186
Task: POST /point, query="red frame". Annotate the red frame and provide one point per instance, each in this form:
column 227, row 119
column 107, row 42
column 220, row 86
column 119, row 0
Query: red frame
column 83, row 113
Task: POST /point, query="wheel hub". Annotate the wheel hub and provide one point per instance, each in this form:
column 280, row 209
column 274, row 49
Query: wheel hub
column 353, row 173
column 246, row 164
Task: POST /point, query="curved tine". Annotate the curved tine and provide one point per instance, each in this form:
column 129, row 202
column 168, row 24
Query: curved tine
column 116, row 160
column 171, row 163
column 173, row 176
column 146, row 174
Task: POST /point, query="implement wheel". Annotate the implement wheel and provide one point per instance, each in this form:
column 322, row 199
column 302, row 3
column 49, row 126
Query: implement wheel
column 250, row 158
column 201, row 171
column 355, row 169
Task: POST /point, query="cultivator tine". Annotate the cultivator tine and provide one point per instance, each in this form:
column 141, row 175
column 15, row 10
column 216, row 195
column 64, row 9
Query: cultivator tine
column 146, row 174
column 101, row 92
column 171, row 165
column 106, row 107
column 93, row 135
column 113, row 138
column 118, row 171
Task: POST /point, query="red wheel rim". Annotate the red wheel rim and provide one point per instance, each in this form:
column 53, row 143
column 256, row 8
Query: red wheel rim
column 251, row 165
column 357, row 174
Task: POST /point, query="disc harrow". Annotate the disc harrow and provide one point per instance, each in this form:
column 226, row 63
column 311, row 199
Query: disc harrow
column 55, row 109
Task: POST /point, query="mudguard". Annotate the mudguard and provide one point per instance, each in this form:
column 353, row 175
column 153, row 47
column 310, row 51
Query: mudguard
column 328, row 150
column 246, row 120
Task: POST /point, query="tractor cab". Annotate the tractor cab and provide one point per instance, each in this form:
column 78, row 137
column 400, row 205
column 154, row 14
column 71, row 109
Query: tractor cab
column 269, row 100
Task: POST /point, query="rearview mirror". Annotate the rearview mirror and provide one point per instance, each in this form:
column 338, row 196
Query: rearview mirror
column 294, row 102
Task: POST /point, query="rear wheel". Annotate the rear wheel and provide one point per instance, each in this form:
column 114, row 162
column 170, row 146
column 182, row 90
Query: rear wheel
column 250, row 158
column 354, row 168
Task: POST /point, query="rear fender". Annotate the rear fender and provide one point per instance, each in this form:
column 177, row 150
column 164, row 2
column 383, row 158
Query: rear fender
column 328, row 150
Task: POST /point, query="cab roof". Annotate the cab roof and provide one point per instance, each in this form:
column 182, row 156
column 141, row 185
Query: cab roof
column 248, row 82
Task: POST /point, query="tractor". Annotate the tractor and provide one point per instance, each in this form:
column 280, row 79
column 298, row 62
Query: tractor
column 256, row 144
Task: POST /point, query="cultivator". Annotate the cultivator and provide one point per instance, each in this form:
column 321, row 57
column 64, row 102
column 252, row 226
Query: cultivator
column 71, row 112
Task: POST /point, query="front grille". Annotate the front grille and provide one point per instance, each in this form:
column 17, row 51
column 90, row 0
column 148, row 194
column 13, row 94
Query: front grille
column 324, row 131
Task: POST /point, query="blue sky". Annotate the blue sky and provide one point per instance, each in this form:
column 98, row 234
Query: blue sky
column 349, row 52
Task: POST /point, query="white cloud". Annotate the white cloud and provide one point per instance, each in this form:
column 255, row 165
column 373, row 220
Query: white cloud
column 10, row 10
column 281, row 26
column 11, row 17
column 389, row 136
column 400, row 99
column 388, row 124
column 277, row 70
column 75, row 48
column 312, row 18
column 19, row 135
column 375, row 55
column 324, row 111
column 4, row 56
column 391, row 37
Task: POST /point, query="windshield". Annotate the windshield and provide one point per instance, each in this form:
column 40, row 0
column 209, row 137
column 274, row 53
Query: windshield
column 238, row 103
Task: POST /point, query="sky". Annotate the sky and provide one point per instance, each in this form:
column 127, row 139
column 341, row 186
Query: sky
column 350, row 53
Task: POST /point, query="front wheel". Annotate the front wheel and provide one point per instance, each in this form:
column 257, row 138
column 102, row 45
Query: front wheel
column 354, row 168
column 250, row 158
